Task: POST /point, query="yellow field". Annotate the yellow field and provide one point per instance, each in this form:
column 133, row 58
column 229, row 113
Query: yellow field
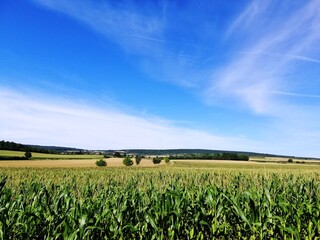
column 69, row 163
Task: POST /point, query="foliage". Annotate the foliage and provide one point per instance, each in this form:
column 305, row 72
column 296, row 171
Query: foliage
column 42, row 156
column 290, row 160
column 127, row 161
column 6, row 145
column 215, row 156
column 193, row 204
column 156, row 160
column 101, row 163
column 28, row 155
column 12, row 158
column 119, row 154
column 138, row 159
column 166, row 160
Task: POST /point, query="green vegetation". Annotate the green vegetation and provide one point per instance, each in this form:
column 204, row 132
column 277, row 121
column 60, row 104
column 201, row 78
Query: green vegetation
column 12, row 158
column 156, row 160
column 127, row 161
column 159, row 203
column 6, row 145
column 215, row 156
column 138, row 159
column 6, row 154
column 28, row 155
column 166, row 160
column 101, row 163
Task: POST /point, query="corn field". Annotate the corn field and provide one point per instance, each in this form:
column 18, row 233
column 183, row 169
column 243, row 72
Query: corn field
column 159, row 203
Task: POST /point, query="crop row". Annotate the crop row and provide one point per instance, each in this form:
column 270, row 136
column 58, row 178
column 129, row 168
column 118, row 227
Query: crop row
column 149, row 204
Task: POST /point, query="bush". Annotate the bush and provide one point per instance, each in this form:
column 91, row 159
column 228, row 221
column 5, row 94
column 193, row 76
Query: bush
column 101, row 163
column 156, row 160
column 138, row 159
column 28, row 155
column 166, row 160
column 127, row 161
column 290, row 160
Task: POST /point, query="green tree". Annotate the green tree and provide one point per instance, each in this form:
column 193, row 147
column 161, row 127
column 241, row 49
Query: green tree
column 28, row 154
column 138, row 159
column 127, row 161
column 166, row 160
column 156, row 160
column 101, row 163
column 117, row 154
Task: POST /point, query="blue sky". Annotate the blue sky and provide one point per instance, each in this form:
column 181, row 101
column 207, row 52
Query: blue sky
column 238, row 75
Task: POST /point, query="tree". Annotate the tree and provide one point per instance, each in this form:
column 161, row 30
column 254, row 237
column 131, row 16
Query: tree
column 166, row 160
column 290, row 160
column 101, row 163
column 117, row 154
column 138, row 159
column 156, row 160
column 28, row 154
column 127, row 161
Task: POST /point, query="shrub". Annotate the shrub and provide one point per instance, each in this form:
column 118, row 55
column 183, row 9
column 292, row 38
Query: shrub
column 138, row 159
column 290, row 160
column 101, row 163
column 127, row 161
column 166, row 160
column 28, row 155
column 156, row 160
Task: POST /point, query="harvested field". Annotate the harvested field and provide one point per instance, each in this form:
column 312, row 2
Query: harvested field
column 70, row 163
column 244, row 164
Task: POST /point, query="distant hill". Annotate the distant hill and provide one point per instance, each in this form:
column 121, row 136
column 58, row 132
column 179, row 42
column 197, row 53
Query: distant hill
column 159, row 152
column 56, row 148
column 194, row 151
column 7, row 145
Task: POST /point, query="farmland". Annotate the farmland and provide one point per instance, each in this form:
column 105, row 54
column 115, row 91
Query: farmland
column 181, row 200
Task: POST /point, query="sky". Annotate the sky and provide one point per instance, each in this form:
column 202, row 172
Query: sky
column 98, row 74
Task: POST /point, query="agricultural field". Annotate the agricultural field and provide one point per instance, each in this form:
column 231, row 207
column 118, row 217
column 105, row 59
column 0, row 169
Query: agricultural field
column 180, row 200
column 70, row 163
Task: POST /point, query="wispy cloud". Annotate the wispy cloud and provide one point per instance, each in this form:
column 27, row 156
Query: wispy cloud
column 288, row 56
column 42, row 120
column 116, row 21
column 273, row 36
column 295, row 94
column 144, row 29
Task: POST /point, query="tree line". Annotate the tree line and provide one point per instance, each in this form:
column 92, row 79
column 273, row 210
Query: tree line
column 214, row 156
column 6, row 145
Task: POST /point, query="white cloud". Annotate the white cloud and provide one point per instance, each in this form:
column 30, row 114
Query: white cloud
column 45, row 121
column 274, row 36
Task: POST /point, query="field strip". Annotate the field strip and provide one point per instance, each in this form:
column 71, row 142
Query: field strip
column 63, row 163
